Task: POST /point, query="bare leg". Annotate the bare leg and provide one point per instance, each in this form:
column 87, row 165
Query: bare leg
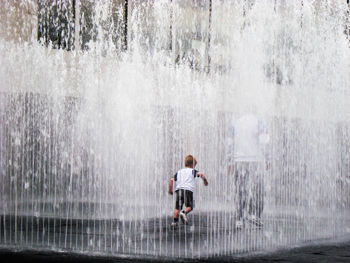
column 176, row 213
column 188, row 209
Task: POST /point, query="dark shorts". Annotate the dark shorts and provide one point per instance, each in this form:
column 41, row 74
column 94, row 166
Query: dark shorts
column 183, row 197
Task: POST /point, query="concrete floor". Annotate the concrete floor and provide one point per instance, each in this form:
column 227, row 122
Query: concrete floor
column 30, row 239
column 334, row 253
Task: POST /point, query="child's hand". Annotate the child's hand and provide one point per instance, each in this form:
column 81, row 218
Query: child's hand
column 170, row 189
column 205, row 181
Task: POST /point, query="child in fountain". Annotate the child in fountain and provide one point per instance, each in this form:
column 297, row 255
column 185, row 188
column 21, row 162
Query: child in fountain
column 184, row 188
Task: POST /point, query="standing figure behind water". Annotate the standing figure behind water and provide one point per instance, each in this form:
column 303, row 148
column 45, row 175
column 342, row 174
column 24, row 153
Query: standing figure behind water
column 247, row 157
column 184, row 188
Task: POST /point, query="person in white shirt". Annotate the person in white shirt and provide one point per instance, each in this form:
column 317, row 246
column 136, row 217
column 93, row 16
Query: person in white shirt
column 184, row 188
column 247, row 158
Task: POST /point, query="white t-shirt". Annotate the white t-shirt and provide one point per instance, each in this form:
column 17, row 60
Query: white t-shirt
column 184, row 179
column 248, row 138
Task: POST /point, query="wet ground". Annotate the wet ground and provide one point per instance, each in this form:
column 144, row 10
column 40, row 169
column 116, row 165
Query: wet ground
column 35, row 239
column 336, row 252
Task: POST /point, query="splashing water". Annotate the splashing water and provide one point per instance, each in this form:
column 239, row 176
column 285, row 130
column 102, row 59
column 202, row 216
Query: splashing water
column 101, row 100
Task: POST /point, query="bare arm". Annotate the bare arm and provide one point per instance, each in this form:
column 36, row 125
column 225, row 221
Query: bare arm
column 170, row 189
column 205, row 181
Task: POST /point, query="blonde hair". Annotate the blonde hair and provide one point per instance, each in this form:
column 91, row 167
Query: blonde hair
column 190, row 160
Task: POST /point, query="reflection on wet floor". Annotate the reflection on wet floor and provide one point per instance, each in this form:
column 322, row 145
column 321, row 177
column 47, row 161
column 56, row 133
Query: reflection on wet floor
column 208, row 235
